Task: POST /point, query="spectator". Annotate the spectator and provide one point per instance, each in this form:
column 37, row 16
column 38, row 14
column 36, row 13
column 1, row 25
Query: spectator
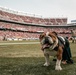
column 66, row 56
column 73, row 32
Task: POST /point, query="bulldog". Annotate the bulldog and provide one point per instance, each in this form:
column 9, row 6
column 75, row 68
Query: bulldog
column 50, row 44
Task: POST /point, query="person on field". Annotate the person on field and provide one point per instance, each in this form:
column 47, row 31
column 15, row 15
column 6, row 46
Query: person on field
column 67, row 56
column 73, row 33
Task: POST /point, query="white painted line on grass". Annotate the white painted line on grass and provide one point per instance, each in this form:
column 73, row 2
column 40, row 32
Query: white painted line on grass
column 19, row 43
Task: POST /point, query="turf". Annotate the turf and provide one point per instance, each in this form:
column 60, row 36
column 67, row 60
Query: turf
column 28, row 60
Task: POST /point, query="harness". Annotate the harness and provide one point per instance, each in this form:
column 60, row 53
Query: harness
column 61, row 42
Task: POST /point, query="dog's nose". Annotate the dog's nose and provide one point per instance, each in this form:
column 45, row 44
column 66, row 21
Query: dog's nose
column 46, row 40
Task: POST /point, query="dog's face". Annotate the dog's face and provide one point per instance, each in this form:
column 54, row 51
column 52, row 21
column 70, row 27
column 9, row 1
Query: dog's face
column 47, row 39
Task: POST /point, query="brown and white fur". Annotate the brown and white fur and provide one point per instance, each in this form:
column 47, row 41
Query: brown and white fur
column 48, row 42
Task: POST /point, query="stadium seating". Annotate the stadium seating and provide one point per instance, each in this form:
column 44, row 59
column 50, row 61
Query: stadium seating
column 7, row 15
column 26, row 27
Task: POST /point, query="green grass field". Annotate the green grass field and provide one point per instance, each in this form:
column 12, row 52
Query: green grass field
column 28, row 59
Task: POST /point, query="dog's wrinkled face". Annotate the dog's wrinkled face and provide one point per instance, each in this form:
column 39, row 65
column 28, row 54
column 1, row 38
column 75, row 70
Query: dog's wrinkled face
column 47, row 39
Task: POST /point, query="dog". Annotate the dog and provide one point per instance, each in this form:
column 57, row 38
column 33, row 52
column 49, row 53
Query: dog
column 50, row 44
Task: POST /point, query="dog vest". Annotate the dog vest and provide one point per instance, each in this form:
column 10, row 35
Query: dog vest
column 61, row 42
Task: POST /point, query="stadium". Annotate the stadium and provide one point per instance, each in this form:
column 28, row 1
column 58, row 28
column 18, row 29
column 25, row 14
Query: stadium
column 18, row 26
column 20, row 52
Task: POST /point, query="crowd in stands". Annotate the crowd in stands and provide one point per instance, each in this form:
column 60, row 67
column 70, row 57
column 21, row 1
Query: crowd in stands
column 12, row 31
column 16, row 31
column 32, row 19
column 13, row 35
column 4, row 25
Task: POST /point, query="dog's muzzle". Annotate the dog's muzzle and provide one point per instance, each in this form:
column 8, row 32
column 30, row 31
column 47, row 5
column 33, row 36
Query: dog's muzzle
column 46, row 42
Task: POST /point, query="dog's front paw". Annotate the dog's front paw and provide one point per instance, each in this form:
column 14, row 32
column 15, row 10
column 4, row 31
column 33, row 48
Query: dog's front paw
column 58, row 68
column 46, row 64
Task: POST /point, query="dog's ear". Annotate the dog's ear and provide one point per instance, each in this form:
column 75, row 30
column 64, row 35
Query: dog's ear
column 55, row 33
column 53, row 36
column 42, row 36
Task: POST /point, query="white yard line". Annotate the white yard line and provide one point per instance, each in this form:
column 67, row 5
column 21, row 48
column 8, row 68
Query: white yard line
column 19, row 43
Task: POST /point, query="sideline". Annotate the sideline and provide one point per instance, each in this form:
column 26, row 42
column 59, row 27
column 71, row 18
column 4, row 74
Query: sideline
column 19, row 43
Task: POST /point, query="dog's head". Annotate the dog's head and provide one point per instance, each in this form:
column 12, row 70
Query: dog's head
column 48, row 39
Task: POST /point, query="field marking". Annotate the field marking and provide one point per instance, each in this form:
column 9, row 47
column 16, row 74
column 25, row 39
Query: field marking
column 19, row 43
